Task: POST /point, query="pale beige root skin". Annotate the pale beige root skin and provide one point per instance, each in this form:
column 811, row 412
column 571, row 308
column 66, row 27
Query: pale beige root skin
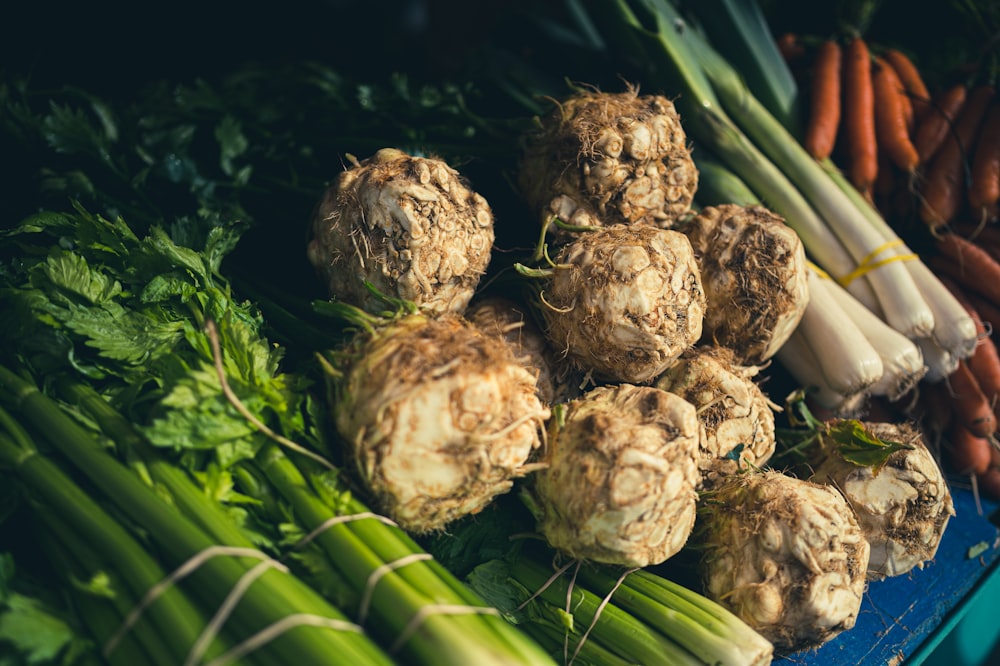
column 604, row 158
column 619, row 486
column 733, row 411
column 786, row 555
column 514, row 323
column 439, row 418
column 624, row 302
column 903, row 509
column 409, row 225
column 754, row 270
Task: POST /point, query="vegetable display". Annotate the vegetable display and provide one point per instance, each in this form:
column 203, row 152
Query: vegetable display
column 646, row 335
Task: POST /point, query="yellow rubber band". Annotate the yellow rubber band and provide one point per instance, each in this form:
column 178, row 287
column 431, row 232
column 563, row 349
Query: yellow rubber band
column 868, row 264
column 818, row 271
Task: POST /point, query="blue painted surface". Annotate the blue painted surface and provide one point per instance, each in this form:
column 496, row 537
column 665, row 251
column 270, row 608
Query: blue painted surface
column 905, row 618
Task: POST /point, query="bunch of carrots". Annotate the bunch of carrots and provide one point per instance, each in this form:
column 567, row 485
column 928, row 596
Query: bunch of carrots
column 965, row 408
column 911, row 151
column 931, row 158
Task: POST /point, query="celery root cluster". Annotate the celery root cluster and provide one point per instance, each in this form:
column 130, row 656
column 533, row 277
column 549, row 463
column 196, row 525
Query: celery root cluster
column 409, row 226
column 602, row 158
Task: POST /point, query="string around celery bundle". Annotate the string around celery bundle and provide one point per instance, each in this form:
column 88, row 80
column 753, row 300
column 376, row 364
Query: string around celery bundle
column 425, row 611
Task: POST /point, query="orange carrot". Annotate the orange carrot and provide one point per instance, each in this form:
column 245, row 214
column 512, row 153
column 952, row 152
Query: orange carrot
column 891, row 128
column 968, row 264
column 944, row 187
column 989, row 482
column 984, row 177
column 858, row 115
column 972, row 408
column 985, row 360
column 988, row 311
column 966, row 452
column 913, row 82
column 937, row 121
column 790, row 47
column 824, row 101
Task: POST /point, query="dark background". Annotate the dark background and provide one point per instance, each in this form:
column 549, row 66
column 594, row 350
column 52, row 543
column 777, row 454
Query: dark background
column 117, row 45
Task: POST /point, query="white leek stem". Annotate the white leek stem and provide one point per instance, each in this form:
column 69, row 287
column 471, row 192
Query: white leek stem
column 846, row 358
column 954, row 329
column 939, row 361
column 902, row 360
column 797, row 357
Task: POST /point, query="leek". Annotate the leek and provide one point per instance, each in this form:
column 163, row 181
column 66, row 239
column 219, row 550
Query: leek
column 902, row 361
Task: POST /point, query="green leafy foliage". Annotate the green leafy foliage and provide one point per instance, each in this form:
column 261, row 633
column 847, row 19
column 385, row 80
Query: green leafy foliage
column 37, row 631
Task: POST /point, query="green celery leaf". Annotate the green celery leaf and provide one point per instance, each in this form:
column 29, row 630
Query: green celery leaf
column 858, row 445
column 70, row 273
column 34, row 630
column 233, row 144
column 131, row 336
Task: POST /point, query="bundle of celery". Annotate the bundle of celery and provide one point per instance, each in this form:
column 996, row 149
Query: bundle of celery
column 129, row 363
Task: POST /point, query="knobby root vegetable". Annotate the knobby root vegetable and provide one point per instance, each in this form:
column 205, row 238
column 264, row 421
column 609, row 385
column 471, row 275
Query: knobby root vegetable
column 619, row 485
column 411, row 226
column 903, row 506
column 753, row 268
column 604, row 158
column 786, row 555
column 514, row 323
column 624, row 301
column 736, row 418
column 438, row 417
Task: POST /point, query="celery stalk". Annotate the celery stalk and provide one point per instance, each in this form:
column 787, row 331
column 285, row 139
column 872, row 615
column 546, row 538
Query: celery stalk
column 174, row 614
column 275, row 595
column 702, row 626
column 356, row 549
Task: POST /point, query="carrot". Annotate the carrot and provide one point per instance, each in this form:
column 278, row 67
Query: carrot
column 912, row 81
column 983, row 234
column 936, row 122
column 985, row 360
column 824, row 101
column 972, row 408
column 790, row 47
column 968, row 264
column 989, row 482
column 988, row 311
column 965, row 452
column 984, row 177
column 891, row 125
column 944, row 187
column 858, row 115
